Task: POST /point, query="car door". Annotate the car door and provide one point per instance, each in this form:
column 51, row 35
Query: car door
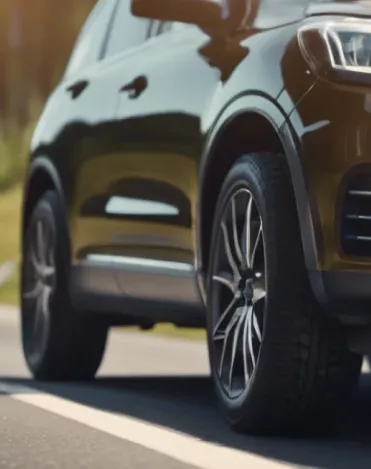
column 94, row 93
column 176, row 86
column 82, row 120
column 159, row 114
column 74, row 99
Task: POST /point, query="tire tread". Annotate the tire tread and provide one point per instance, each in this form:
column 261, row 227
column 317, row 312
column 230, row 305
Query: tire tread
column 305, row 372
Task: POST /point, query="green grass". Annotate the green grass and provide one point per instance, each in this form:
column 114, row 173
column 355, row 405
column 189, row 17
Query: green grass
column 10, row 208
column 10, row 204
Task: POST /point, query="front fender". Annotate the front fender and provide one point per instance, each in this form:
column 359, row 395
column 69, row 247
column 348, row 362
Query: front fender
column 278, row 118
column 41, row 174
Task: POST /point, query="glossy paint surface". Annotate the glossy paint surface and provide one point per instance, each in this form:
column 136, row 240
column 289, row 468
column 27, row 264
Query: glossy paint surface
column 128, row 138
column 333, row 148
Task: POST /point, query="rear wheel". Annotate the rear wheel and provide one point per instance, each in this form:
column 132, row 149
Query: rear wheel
column 278, row 363
column 58, row 341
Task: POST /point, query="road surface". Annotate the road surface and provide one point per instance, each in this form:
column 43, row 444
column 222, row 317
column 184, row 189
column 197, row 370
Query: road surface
column 152, row 407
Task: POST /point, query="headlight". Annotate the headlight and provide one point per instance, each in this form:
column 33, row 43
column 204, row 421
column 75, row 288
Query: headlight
column 338, row 49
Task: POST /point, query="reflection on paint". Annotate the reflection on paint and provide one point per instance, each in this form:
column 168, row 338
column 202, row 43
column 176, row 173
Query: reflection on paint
column 129, row 206
column 140, row 262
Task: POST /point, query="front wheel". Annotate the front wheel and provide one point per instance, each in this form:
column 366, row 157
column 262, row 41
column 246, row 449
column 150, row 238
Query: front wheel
column 59, row 343
column 278, row 364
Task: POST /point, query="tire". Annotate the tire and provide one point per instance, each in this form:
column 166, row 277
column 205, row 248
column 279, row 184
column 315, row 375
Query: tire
column 292, row 372
column 59, row 343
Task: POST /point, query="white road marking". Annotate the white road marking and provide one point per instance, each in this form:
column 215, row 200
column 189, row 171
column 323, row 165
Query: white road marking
column 184, row 448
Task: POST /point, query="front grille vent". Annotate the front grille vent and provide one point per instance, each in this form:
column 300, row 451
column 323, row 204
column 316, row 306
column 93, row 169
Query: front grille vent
column 356, row 217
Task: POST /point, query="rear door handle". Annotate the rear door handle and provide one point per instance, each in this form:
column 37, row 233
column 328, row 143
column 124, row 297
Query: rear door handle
column 136, row 87
column 77, row 88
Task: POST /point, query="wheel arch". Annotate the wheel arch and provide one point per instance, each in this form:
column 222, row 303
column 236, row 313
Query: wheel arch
column 42, row 176
column 251, row 124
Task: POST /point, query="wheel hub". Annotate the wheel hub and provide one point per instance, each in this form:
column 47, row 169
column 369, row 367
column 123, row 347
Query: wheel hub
column 240, row 294
column 246, row 284
column 248, row 291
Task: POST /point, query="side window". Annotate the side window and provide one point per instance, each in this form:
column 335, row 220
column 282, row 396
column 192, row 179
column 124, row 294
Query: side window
column 158, row 27
column 128, row 30
column 164, row 27
column 90, row 42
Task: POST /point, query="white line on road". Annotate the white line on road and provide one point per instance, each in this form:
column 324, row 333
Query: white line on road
column 178, row 446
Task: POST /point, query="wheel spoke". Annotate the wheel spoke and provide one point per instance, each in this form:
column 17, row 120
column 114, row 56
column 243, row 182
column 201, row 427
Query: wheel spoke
column 228, row 250
column 35, row 292
column 41, row 269
column 224, row 316
column 245, row 335
column 37, row 313
column 256, row 326
column 218, row 337
column 235, row 232
column 49, row 270
column 45, row 301
column 225, row 279
column 259, row 294
column 249, row 335
column 227, row 336
column 236, row 336
column 35, row 263
column 248, row 231
column 40, row 242
column 259, row 238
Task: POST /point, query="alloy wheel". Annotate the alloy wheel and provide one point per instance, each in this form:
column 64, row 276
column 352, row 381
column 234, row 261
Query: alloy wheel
column 38, row 286
column 238, row 293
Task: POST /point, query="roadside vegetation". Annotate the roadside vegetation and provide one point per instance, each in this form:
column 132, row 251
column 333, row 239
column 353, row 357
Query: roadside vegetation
column 10, row 200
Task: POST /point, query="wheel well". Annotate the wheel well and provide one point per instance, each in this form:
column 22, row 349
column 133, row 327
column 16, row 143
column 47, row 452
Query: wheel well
column 248, row 133
column 40, row 182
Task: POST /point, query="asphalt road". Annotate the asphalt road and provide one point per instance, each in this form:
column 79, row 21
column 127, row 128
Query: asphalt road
column 152, row 406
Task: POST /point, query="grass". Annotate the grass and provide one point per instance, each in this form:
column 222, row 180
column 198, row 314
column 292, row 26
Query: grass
column 10, row 207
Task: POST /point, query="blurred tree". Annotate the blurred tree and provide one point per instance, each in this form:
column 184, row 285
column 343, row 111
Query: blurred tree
column 36, row 38
column 3, row 51
column 35, row 41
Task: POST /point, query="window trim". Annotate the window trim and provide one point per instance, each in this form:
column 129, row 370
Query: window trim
column 153, row 29
column 109, row 29
column 89, row 23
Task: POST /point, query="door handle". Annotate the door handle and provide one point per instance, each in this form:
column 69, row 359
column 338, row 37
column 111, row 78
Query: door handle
column 77, row 88
column 136, row 87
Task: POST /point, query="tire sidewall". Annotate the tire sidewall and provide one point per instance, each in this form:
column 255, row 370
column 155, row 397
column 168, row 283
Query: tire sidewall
column 48, row 209
column 245, row 174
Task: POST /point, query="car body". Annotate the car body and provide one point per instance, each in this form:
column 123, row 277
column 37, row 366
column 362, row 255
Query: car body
column 138, row 137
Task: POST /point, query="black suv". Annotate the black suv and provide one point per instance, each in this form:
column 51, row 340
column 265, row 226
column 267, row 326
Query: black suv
column 208, row 164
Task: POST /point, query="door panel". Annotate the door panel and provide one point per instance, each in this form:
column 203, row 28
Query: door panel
column 94, row 226
column 93, row 123
column 91, row 110
column 156, row 168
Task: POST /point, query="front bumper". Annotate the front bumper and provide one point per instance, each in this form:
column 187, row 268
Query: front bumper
column 333, row 126
column 344, row 294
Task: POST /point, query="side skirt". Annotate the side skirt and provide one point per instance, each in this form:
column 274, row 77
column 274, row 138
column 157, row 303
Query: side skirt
column 138, row 291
